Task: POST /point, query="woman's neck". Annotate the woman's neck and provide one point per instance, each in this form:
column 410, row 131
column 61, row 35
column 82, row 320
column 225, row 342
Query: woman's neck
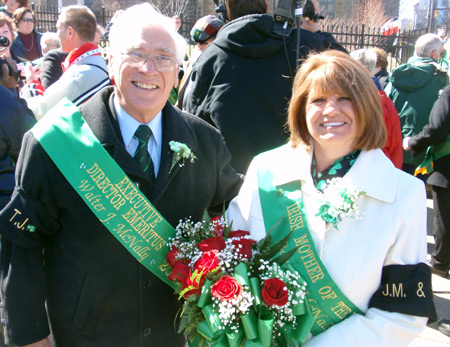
column 326, row 157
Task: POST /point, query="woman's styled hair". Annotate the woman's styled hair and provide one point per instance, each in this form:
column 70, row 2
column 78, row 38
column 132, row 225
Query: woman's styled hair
column 333, row 71
column 20, row 13
column 4, row 19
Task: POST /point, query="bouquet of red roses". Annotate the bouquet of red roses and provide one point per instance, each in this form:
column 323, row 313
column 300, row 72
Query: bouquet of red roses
column 236, row 290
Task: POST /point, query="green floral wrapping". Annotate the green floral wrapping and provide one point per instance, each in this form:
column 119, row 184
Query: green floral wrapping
column 256, row 329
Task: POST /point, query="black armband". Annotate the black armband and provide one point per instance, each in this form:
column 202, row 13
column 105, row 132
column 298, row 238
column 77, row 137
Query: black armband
column 406, row 289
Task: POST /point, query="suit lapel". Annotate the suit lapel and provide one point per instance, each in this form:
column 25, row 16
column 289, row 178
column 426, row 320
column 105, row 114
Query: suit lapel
column 175, row 128
column 102, row 119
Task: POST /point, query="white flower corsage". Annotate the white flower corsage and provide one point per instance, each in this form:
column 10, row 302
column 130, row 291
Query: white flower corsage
column 180, row 152
column 338, row 201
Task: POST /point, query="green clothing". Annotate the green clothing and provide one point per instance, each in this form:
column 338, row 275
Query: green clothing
column 413, row 88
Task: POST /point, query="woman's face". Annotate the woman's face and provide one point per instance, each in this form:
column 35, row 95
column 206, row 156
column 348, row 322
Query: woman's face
column 26, row 24
column 331, row 120
column 4, row 31
column 12, row 5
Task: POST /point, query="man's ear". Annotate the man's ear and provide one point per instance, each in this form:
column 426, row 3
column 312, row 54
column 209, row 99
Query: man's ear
column 176, row 72
column 110, row 65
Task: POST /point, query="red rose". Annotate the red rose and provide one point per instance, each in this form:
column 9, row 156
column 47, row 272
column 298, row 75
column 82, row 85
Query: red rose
column 193, row 283
column 238, row 233
column 243, row 247
column 171, row 256
column 179, row 271
column 226, row 288
column 213, row 243
column 274, row 292
column 207, row 262
column 218, row 226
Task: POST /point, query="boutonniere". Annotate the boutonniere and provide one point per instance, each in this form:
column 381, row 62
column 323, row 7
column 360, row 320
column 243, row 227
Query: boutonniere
column 338, row 201
column 180, row 152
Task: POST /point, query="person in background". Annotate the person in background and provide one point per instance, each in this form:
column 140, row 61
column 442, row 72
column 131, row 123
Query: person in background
column 380, row 70
column 86, row 286
column 337, row 132
column 99, row 33
column 7, row 29
column 12, row 5
column 51, row 68
column 413, row 87
column 26, row 46
column 434, row 139
column 110, row 24
column 177, row 20
column 393, row 147
column 49, row 41
column 203, row 33
column 242, row 82
column 85, row 71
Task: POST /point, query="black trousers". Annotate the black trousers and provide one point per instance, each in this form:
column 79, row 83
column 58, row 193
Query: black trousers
column 441, row 228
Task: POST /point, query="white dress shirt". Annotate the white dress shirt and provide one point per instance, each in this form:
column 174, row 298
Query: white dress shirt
column 128, row 126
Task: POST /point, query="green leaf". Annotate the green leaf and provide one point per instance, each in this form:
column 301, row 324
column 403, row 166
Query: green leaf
column 266, row 241
column 278, row 246
column 280, row 260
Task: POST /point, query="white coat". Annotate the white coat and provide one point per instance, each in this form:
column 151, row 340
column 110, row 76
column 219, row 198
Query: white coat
column 392, row 230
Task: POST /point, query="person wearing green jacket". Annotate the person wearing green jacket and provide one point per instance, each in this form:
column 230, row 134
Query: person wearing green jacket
column 414, row 87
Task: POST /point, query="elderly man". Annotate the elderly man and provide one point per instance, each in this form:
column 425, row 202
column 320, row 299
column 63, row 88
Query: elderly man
column 99, row 191
column 414, row 87
column 85, row 72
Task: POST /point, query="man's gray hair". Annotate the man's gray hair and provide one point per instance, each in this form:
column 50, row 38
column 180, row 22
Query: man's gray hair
column 134, row 19
column 366, row 57
column 426, row 44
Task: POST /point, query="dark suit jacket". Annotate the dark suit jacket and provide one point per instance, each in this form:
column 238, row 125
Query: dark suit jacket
column 432, row 134
column 51, row 69
column 97, row 294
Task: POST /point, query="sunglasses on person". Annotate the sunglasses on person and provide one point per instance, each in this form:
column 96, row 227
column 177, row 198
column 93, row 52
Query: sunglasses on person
column 28, row 20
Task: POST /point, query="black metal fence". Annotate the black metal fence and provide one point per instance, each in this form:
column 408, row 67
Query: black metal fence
column 399, row 47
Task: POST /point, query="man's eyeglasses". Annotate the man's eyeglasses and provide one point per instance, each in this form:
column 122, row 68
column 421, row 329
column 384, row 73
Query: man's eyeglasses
column 28, row 20
column 137, row 59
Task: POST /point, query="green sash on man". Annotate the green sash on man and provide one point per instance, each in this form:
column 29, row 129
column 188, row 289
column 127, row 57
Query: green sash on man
column 328, row 304
column 105, row 188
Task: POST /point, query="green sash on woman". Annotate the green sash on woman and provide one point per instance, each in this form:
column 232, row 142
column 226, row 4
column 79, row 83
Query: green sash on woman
column 105, row 188
column 328, row 304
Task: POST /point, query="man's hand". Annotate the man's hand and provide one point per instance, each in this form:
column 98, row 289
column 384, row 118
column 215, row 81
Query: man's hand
column 43, row 343
column 6, row 80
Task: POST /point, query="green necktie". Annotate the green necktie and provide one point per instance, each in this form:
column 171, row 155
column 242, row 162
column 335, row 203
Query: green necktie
column 143, row 134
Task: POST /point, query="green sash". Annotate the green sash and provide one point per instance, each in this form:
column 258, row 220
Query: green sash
column 104, row 187
column 433, row 153
column 328, row 304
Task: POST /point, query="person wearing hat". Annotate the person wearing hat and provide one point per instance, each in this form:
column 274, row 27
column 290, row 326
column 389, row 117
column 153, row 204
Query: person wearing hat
column 203, row 33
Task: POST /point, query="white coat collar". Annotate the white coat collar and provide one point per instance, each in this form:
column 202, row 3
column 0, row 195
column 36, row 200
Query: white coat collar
column 372, row 172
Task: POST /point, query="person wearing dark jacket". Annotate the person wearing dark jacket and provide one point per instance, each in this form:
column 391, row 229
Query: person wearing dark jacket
column 242, row 82
column 51, row 68
column 437, row 135
column 65, row 268
column 27, row 44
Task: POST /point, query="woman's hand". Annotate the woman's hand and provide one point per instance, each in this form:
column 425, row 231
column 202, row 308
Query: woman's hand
column 32, row 72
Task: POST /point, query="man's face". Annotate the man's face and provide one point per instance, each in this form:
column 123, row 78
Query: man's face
column 64, row 36
column 143, row 91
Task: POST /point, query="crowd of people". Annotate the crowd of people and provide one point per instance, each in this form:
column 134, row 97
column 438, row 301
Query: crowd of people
column 270, row 118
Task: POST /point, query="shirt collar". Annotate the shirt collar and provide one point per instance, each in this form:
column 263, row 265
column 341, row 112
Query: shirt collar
column 128, row 125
